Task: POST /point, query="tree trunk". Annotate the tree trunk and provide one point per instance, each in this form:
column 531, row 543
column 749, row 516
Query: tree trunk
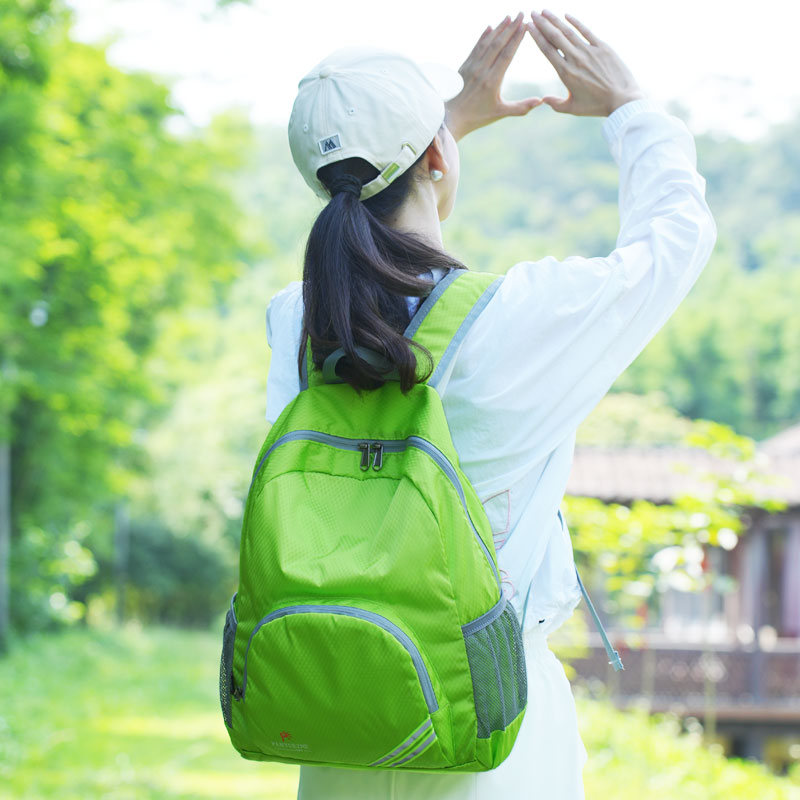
column 122, row 530
column 5, row 542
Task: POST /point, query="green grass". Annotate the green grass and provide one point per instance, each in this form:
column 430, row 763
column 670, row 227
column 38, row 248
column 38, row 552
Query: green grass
column 122, row 716
column 634, row 756
column 133, row 715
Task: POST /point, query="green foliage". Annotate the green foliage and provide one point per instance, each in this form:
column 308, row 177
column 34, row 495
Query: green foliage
column 644, row 548
column 727, row 353
column 111, row 223
column 176, row 580
column 136, row 715
column 632, row 755
column 131, row 369
column 48, row 573
column 23, row 44
column 622, row 419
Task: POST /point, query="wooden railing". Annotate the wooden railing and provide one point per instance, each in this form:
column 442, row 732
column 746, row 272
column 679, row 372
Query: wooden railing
column 742, row 682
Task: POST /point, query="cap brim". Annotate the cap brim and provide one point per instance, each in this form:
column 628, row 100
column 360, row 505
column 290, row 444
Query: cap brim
column 447, row 82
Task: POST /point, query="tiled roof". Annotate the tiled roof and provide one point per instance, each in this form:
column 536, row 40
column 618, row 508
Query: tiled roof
column 785, row 443
column 660, row 474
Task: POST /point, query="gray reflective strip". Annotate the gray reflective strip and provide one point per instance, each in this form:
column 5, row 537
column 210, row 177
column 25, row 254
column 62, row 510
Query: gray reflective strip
column 415, row 753
column 485, row 619
column 389, row 446
column 429, row 302
column 410, row 740
column 462, row 331
column 368, row 616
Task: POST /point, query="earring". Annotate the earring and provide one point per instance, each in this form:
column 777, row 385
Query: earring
column 436, row 175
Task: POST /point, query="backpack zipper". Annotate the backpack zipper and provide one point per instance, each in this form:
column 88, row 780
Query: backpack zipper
column 379, row 447
column 359, row 613
column 378, row 461
column 364, row 448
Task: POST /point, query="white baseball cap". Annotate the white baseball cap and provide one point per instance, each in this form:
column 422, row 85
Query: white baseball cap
column 373, row 104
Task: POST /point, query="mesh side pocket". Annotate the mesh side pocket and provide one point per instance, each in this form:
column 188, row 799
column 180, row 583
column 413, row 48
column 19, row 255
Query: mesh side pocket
column 497, row 664
column 226, row 664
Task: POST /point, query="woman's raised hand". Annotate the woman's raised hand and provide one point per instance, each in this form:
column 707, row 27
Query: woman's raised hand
column 596, row 79
column 479, row 102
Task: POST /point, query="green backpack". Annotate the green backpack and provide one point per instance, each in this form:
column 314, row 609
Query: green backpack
column 369, row 630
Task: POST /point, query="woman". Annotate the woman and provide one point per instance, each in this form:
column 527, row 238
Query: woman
column 542, row 353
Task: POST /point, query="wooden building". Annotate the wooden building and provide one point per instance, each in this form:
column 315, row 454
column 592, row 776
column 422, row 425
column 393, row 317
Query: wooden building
column 731, row 660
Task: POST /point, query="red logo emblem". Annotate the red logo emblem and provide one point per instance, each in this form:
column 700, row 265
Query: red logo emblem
column 285, row 735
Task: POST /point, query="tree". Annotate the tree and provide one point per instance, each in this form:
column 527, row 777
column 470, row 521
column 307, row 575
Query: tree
column 24, row 33
column 116, row 221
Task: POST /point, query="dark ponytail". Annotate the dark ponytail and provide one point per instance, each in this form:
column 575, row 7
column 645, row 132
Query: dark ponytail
column 356, row 276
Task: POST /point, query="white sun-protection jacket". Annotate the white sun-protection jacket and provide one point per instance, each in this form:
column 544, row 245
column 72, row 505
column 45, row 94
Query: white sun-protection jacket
column 548, row 346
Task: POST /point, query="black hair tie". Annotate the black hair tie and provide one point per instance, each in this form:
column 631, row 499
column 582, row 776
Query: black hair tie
column 346, row 183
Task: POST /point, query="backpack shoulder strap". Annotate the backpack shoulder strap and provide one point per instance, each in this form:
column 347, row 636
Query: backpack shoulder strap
column 441, row 322
column 447, row 313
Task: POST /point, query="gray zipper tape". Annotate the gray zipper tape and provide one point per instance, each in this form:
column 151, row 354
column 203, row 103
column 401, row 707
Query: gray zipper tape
column 389, row 446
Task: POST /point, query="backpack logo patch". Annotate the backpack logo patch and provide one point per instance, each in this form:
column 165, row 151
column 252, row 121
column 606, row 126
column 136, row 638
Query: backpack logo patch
column 287, row 744
column 329, row 144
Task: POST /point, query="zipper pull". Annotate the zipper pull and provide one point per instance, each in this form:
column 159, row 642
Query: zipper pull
column 378, row 462
column 364, row 448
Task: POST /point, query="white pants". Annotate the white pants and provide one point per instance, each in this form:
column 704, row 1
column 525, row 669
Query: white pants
column 546, row 761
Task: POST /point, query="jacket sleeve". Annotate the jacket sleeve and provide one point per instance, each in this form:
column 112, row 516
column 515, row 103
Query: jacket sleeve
column 284, row 326
column 558, row 333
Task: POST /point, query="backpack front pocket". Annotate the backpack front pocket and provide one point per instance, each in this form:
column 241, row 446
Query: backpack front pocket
column 337, row 684
column 497, row 663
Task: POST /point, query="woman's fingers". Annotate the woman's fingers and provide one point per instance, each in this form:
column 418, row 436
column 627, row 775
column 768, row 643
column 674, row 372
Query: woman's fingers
column 568, row 32
column 561, row 104
column 549, row 51
column 519, row 108
column 585, row 32
column 486, row 48
column 485, row 40
column 553, row 34
column 496, row 44
column 479, row 102
column 506, row 55
column 480, row 45
column 596, row 78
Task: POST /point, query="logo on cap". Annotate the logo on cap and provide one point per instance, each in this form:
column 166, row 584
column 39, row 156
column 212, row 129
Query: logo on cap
column 329, row 144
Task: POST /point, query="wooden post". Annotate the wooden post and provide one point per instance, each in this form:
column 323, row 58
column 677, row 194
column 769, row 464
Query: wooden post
column 122, row 532
column 5, row 543
column 648, row 674
column 710, row 668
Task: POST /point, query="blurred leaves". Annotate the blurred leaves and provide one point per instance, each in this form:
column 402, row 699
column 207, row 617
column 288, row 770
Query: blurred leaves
column 644, row 549
column 109, row 225
column 136, row 264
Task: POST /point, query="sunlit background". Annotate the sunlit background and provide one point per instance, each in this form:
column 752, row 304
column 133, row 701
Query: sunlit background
column 732, row 65
column 149, row 209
